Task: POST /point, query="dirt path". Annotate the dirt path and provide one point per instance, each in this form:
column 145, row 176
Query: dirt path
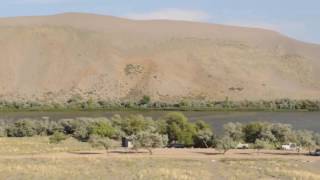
column 170, row 153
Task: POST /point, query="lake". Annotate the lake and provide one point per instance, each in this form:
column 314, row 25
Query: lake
column 299, row 120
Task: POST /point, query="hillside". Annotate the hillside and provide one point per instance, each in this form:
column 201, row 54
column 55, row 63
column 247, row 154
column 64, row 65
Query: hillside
column 54, row 57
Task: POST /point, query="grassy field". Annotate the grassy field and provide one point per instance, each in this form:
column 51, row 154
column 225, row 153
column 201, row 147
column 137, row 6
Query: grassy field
column 35, row 158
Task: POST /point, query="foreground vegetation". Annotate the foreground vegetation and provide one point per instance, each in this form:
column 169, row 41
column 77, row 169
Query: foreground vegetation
column 76, row 102
column 173, row 129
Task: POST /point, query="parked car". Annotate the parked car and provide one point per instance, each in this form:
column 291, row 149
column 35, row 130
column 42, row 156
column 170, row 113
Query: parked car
column 290, row 147
column 316, row 153
column 242, row 146
column 176, row 145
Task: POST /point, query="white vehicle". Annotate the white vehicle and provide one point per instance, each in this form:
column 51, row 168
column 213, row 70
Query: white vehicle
column 242, row 146
column 290, row 147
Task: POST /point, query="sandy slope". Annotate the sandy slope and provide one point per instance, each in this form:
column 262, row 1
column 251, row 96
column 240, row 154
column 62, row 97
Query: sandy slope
column 53, row 57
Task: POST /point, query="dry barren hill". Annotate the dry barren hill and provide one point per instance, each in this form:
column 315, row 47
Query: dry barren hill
column 54, row 57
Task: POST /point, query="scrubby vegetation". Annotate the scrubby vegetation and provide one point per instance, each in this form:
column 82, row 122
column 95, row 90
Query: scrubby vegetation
column 172, row 129
column 76, row 102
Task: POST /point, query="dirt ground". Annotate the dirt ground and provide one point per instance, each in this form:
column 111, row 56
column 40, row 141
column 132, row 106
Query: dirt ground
column 35, row 158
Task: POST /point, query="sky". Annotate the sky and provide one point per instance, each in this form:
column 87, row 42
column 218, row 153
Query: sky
column 299, row 19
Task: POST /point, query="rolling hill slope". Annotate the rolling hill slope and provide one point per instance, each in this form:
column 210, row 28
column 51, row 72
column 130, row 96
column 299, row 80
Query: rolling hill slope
column 54, row 57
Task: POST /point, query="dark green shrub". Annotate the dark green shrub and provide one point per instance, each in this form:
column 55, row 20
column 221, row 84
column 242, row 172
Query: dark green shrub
column 253, row 131
column 179, row 130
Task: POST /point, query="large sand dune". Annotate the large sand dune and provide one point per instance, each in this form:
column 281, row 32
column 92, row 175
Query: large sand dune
column 53, row 57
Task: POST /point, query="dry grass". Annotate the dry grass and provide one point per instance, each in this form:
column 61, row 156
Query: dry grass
column 268, row 169
column 39, row 145
column 35, row 158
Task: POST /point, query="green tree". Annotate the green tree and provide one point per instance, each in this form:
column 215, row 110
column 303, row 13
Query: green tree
column 179, row 130
column 134, row 124
column 204, row 135
column 102, row 129
column 253, row 131
column 226, row 143
column 305, row 139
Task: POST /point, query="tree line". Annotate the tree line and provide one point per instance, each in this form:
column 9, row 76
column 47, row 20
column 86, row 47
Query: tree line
column 77, row 102
column 172, row 129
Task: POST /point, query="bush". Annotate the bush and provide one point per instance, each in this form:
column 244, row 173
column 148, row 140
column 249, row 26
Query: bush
column 78, row 128
column 316, row 138
column 3, row 132
column 102, row 129
column 22, row 128
column 226, row 143
column 305, row 139
column 235, row 131
column 204, row 136
column 179, row 130
column 252, row 131
column 57, row 137
column 135, row 124
column 149, row 140
column 98, row 141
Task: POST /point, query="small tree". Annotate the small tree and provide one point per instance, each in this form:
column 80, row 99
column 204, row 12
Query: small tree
column 57, row 137
column 305, row 139
column 98, row 141
column 204, row 135
column 226, row 143
column 234, row 130
column 148, row 141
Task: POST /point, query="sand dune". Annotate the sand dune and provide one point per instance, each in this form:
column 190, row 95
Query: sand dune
column 54, row 57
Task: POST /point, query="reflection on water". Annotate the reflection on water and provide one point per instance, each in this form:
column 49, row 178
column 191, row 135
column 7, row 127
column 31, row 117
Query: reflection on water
column 299, row 120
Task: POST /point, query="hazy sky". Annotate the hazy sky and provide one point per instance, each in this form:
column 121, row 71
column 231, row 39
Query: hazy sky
column 296, row 18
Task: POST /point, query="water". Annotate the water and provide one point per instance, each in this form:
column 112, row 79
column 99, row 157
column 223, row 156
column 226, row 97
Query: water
column 299, row 120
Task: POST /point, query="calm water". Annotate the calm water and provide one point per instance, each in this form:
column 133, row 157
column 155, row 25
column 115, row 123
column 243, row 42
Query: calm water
column 299, row 120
